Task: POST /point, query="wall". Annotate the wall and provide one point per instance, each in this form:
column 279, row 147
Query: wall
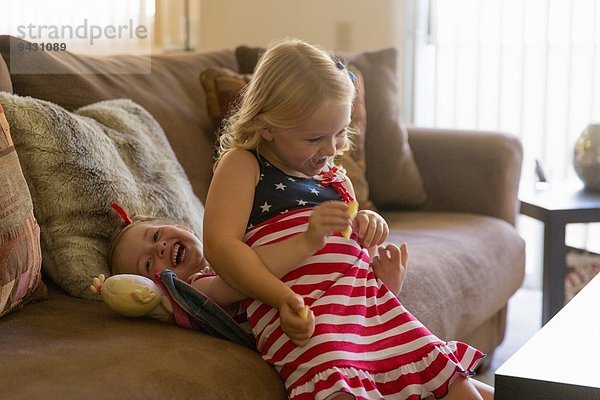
column 346, row 25
column 349, row 25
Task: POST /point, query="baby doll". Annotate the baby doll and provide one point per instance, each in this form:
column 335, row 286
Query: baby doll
column 169, row 299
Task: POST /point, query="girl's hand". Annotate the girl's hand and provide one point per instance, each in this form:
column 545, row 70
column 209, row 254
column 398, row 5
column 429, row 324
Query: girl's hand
column 371, row 228
column 390, row 265
column 326, row 218
column 298, row 329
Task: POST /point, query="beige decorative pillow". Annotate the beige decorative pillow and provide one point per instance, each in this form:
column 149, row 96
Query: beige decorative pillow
column 353, row 160
column 392, row 174
column 20, row 255
column 222, row 86
column 77, row 163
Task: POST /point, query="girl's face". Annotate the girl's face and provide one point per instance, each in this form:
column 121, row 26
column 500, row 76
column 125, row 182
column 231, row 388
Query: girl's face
column 146, row 249
column 303, row 151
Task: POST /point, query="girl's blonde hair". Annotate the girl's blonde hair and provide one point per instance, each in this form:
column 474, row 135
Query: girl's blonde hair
column 291, row 81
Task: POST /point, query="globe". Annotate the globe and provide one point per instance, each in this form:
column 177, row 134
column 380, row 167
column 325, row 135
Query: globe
column 586, row 157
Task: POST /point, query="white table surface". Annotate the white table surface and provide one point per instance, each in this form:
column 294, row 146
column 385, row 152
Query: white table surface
column 567, row 349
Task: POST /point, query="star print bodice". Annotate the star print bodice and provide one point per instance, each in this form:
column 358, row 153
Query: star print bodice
column 277, row 192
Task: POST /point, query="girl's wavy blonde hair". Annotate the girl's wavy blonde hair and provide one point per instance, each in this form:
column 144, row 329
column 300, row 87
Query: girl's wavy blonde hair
column 291, row 81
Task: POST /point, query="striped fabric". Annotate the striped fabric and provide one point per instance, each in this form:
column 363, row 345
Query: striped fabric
column 365, row 342
column 20, row 253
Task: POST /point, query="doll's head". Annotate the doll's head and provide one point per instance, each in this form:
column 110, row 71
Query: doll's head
column 292, row 80
column 148, row 246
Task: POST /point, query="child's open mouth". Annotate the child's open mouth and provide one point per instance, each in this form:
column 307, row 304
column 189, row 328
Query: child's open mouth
column 178, row 255
column 318, row 162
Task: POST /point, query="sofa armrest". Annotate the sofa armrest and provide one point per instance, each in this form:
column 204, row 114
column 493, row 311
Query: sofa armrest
column 469, row 171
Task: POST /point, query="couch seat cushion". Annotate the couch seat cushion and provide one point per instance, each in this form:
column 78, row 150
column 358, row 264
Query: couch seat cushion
column 66, row 341
column 462, row 268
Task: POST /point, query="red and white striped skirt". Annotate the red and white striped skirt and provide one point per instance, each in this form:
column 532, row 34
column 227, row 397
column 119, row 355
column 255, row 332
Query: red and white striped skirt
column 365, row 342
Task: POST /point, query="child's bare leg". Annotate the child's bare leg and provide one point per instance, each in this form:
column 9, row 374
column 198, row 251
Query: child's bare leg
column 464, row 389
column 389, row 264
column 486, row 391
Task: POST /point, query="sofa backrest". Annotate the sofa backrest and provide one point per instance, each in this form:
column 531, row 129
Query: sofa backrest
column 172, row 92
column 5, row 83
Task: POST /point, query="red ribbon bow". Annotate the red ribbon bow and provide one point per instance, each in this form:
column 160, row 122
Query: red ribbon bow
column 335, row 178
column 122, row 213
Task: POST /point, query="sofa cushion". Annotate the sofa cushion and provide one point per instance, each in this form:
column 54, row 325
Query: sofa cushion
column 475, row 266
column 171, row 93
column 222, row 87
column 389, row 159
column 354, row 160
column 78, row 163
column 68, row 348
column 20, row 254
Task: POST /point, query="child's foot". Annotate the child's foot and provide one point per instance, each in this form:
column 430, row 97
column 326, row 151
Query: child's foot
column 390, row 265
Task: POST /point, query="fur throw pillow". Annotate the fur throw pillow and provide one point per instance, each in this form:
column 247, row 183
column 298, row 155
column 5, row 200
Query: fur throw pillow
column 77, row 163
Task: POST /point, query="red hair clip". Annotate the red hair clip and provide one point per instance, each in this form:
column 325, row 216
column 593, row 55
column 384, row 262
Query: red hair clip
column 122, row 213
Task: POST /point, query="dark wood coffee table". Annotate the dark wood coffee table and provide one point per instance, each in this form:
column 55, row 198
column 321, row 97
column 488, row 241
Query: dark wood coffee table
column 561, row 360
column 562, row 204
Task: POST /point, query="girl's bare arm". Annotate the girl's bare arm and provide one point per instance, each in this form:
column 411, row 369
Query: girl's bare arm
column 227, row 208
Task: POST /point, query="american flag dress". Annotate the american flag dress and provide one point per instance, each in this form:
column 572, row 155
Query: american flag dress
column 365, row 342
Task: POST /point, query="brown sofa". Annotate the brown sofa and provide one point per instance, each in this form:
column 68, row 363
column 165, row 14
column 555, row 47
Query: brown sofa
column 466, row 258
